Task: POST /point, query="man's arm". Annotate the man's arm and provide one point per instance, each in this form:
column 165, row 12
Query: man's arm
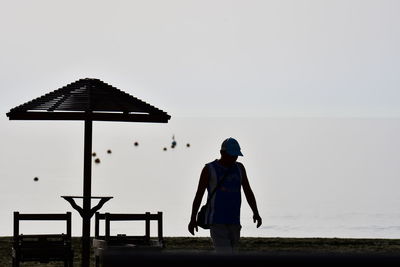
column 250, row 196
column 203, row 183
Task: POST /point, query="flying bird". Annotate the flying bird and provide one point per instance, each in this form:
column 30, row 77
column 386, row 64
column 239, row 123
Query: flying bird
column 173, row 145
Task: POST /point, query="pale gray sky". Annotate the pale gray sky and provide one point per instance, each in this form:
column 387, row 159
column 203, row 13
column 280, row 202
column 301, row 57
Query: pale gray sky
column 210, row 58
column 292, row 58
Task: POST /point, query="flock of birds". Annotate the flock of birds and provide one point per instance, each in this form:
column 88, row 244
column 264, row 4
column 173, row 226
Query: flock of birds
column 173, row 145
column 97, row 160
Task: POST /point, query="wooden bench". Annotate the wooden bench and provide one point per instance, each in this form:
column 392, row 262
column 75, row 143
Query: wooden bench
column 43, row 247
column 145, row 242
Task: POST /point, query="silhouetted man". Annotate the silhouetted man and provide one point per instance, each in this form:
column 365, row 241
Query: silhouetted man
column 223, row 212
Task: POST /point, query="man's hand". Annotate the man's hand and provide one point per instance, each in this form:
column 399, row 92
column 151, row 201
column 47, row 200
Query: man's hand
column 193, row 226
column 257, row 218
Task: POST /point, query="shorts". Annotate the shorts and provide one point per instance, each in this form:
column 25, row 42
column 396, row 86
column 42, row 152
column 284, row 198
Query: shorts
column 225, row 237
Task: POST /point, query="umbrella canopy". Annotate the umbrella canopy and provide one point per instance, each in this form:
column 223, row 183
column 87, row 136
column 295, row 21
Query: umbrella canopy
column 88, row 100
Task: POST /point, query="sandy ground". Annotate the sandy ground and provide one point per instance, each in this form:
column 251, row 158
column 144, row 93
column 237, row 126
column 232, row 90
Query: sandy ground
column 252, row 251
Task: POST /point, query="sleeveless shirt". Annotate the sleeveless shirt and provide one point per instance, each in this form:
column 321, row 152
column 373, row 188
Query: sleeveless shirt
column 224, row 207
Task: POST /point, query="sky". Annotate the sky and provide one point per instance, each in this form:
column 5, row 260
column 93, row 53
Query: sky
column 286, row 58
column 210, row 59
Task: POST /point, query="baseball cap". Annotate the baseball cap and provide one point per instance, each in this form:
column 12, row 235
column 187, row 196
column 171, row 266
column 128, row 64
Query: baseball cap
column 231, row 146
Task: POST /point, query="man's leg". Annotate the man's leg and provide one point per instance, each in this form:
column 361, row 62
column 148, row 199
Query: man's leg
column 220, row 236
column 234, row 235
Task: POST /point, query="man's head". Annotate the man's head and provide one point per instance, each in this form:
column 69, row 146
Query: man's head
column 231, row 147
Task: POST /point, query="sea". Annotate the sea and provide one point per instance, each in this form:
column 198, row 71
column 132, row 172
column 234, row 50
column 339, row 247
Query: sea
column 312, row 177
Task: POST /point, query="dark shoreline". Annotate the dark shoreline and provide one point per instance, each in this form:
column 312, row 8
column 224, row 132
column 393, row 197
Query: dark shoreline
column 254, row 251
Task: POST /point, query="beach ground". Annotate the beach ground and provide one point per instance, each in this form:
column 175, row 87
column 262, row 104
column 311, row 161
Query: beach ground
column 384, row 252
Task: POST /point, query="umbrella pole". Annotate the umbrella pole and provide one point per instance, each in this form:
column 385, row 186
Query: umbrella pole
column 87, row 193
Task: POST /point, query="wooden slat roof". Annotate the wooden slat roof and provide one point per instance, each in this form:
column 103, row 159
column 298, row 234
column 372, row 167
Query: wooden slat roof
column 88, row 99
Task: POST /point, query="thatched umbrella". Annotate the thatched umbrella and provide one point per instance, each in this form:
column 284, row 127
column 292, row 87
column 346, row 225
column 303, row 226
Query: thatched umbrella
column 88, row 100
